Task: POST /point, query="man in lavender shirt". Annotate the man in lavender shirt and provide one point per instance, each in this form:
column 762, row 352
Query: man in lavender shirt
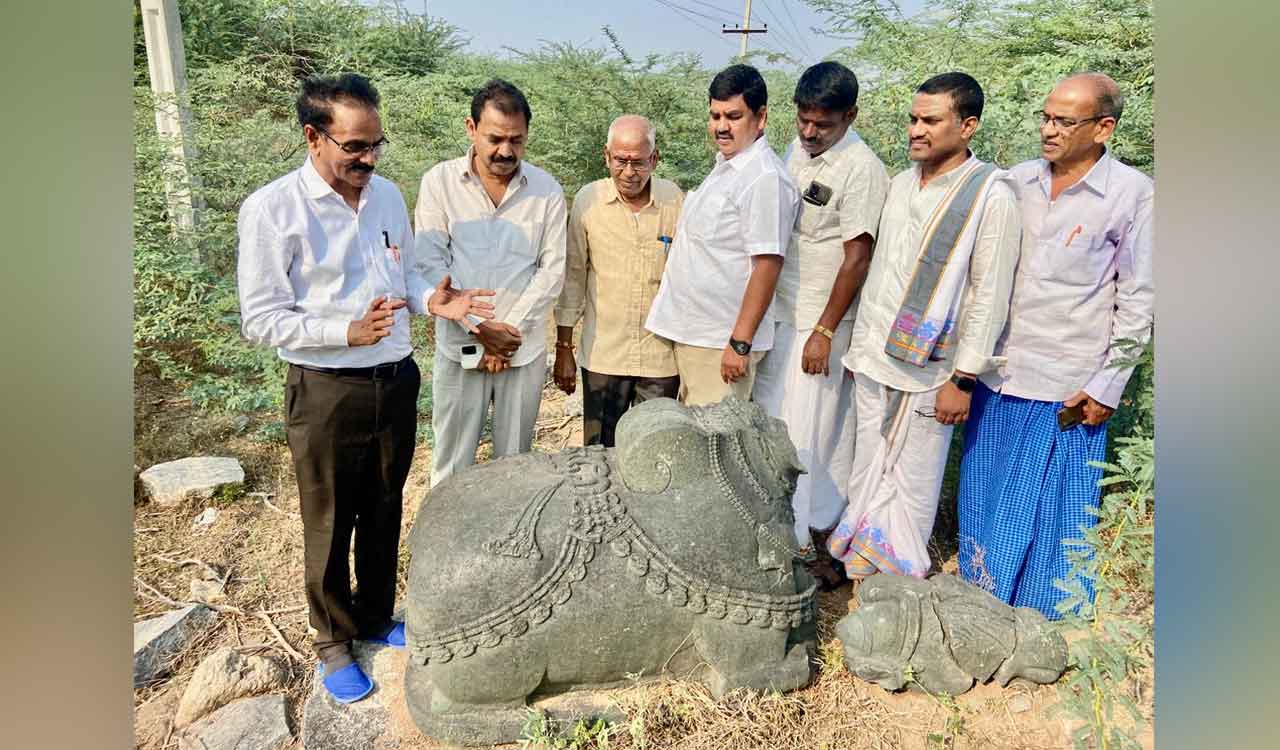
column 1083, row 286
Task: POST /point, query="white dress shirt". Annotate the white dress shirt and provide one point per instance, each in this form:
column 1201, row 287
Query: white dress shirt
column 1084, row 283
column 984, row 303
column 859, row 183
column 516, row 248
column 745, row 207
column 309, row 265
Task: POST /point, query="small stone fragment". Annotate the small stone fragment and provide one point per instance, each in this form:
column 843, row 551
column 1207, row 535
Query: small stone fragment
column 247, row 724
column 224, row 676
column 156, row 640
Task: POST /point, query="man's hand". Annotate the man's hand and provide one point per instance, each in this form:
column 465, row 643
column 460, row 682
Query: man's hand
column 457, row 304
column 733, row 366
column 952, row 404
column 492, row 363
column 498, row 338
column 565, row 370
column 815, row 360
column 376, row 323
column 1094, row 413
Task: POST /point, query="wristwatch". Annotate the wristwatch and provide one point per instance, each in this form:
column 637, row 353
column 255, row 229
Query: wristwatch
column 743, row 348
column 964, row 384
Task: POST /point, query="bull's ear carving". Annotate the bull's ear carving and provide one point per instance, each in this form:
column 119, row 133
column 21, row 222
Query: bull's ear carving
column 660, row 446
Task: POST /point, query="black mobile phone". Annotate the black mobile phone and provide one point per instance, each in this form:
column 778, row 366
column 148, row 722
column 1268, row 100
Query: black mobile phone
column 469, row 349
column 817, row 194
column 1070, row 416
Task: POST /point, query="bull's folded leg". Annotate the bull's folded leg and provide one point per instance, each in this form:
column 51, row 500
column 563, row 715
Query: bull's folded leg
column 440, row 716
column 755, row 659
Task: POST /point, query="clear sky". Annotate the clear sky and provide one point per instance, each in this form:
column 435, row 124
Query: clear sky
column 644, row 26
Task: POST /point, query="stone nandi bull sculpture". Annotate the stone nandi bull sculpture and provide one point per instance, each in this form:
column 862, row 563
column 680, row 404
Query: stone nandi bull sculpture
column 539, row 574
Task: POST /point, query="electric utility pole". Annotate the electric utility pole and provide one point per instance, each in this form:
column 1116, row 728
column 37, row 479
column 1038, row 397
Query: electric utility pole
column 166, row 62
column 744, row 30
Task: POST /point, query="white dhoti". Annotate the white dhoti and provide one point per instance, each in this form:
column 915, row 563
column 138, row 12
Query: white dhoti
column 461, row 399
column 819, row 416
column 898, row 462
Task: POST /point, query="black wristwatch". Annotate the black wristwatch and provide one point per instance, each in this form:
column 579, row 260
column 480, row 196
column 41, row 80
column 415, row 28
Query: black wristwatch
column 964, row 384
column 743, row 348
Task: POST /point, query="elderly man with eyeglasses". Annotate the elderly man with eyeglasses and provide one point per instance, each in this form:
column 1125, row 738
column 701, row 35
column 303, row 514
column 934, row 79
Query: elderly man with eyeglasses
column 620, row 230
column 321, row 278
column 1083, row 288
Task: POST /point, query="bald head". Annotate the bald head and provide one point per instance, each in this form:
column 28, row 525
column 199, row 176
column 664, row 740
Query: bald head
column 1105, row 92
column 630, row 131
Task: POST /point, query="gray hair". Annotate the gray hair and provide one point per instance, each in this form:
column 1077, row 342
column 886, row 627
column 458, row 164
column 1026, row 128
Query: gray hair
column 623, row 121
column 1106, row 93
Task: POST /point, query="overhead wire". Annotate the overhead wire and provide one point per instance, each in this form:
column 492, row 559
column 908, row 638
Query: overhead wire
column 787, row 7
column 785, row 37
column 684, row 12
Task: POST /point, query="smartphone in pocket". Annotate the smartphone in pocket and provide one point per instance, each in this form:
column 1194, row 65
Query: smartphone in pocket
column 471, row 355
column 1070, row 416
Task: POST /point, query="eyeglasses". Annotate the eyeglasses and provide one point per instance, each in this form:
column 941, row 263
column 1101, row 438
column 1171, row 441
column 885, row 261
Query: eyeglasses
column 358, row 148
column 639, row 165
column 1065, row 123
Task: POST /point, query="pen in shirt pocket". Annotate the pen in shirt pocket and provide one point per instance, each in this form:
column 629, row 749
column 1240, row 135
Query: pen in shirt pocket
column 666, row 243
column 1079, row 228
column 395, row 251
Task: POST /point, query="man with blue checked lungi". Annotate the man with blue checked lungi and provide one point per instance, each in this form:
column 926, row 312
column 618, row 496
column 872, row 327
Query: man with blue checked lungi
column 932, row 308
column 1083, row 286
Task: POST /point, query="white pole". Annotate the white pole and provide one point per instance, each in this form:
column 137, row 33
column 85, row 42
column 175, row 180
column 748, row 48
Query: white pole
column 166, row 62
column 746, row 25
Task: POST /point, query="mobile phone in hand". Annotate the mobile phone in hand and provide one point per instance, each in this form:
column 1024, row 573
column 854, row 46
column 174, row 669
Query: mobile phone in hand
column 471, row 355
column 1070, row 416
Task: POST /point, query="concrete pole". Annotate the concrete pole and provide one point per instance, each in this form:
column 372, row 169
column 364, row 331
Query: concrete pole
column 166, row 61
column 746, row 24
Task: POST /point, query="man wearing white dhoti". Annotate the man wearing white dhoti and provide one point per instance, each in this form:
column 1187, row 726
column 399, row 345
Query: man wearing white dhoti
column 801, row 381
column 934, row 303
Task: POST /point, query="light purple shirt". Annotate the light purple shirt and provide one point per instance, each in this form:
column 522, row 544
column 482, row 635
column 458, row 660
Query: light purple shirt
column 1083, row 283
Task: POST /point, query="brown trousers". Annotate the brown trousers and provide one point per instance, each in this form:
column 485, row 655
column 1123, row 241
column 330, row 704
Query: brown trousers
column 352, row 440
column 605, row 398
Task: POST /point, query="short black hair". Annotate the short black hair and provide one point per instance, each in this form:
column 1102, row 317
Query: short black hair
column 827, row 85
column 965, row 93
column 740, row 79
column 315, row 101
column 504, row 96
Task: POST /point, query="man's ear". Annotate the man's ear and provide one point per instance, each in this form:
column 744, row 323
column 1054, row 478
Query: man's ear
column 471, row 127
column 764, row 117
column 852, row 113
column 969, row 127
column 1106, row 126
column 312, row 135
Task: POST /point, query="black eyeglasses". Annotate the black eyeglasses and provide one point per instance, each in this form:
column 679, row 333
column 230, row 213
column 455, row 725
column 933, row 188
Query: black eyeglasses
column 1065, row 123
column 358, row 148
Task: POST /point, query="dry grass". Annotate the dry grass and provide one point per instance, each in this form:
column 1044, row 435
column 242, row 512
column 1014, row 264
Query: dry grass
column 258, row 548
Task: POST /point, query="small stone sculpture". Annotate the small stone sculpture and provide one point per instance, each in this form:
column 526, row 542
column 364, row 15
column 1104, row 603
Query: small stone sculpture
column 539, row 574
column 943, row 633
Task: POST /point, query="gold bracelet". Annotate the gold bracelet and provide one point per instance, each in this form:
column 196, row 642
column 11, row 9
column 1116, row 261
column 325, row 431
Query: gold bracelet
column 566, row 345
column 830, row 334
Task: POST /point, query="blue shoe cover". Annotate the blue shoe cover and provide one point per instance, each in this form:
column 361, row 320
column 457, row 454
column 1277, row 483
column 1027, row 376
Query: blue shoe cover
column 348, row 684
column 393, row 638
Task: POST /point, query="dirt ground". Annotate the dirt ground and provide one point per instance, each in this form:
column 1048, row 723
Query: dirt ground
column 255, row 544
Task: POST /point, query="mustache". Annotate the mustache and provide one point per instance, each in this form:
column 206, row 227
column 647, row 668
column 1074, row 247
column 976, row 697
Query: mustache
column 503, row 160
column 362, row 168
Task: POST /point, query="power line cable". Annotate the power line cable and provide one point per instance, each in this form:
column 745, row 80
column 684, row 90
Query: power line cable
column 787, row 7
column 694, row 21
column 724, row 11
column 784, row 36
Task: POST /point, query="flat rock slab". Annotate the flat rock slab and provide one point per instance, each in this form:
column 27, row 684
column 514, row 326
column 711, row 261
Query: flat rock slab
column 224, row 676
column 156, row 640
column 190, row 479
column 380, row 720
column 247, row 724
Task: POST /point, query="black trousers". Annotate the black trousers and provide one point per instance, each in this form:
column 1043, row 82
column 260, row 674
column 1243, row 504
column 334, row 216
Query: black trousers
column 605, row 398
column 352, row 440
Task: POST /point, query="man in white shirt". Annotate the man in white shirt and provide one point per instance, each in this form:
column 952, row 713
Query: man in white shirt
column 931, row 310
column 716, row 291
column 321, row 279
column 491, row 219
column 1083, row 286
column 801, row 381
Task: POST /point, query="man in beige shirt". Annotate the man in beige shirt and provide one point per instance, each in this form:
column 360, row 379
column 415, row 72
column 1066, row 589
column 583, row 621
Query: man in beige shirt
column 498, row 222
column 620, row 229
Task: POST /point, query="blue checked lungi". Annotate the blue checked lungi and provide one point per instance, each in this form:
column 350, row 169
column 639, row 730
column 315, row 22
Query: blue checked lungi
column 1024, row 488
